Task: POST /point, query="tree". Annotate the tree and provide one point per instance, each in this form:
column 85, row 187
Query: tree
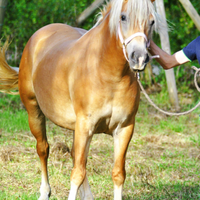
column 24, row 17
column 3, row 4
column 191, row 12
column 171, row 83
column 89, row 10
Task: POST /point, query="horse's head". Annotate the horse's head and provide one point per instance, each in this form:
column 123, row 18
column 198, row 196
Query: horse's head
column 134, row 28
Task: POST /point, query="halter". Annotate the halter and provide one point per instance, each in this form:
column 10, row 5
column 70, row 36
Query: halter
column 130, row 38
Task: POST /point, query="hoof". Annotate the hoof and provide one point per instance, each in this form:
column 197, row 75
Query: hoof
column 45, row 192
column 87, row 197
column 44, row 197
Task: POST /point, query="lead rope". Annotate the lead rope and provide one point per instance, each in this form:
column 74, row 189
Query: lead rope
column 124, row 44
column 166, row 112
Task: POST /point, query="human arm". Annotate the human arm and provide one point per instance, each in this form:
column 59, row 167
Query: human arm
column 165, row 60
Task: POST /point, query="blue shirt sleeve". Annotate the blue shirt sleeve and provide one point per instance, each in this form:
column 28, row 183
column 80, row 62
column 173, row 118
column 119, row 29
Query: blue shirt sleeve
column 192, row 50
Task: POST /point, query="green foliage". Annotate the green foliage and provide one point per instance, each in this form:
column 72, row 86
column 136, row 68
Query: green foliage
column 23, row 18
column 183, row 28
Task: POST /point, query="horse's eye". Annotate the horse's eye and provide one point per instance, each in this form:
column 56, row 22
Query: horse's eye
column 123, row 17
column 152, row 23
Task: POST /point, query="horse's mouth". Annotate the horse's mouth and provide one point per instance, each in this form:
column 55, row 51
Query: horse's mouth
column 136, row 68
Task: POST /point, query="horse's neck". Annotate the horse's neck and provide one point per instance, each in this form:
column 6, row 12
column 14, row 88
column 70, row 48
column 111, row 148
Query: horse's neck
column 109, row 54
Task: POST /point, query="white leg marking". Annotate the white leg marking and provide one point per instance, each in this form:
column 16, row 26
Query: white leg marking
column 73, row 191
column 84, row 190
column 45, row 190
column 117, row 192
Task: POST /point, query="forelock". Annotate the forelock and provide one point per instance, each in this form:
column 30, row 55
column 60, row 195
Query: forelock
column 138, row 11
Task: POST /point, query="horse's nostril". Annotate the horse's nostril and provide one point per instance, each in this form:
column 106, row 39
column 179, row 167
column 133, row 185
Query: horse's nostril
column 133, row 57
column 147, row 59
column 139, row 58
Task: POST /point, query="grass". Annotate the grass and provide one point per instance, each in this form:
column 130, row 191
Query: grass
column 11, row 112
column 163, row 159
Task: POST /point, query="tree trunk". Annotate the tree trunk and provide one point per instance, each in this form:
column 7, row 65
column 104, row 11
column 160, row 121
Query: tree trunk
column 88, row 11
column 164, row 37
column 3, row 4
column 191, row 12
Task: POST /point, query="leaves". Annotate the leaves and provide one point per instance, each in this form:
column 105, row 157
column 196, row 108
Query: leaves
column 183, row 28
column 24, row 17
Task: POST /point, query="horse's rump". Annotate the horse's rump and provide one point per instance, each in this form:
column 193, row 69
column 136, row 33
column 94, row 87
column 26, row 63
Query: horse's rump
column 44, row 62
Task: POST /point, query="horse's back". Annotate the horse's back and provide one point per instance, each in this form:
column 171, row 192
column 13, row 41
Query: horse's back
column 50, row 38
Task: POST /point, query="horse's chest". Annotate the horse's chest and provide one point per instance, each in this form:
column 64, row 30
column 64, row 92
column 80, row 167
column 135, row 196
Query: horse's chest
column 120, row 114
column 111, row 116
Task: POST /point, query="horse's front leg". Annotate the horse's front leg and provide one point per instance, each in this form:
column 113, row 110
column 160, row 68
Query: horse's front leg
column 122, row 137
column 82, row 139
column 84, row 189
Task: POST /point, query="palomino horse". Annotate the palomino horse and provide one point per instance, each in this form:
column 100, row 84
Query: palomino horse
column 86, row 81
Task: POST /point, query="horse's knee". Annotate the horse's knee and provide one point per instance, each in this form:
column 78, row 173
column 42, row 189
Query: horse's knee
column 78, row 175
column 43, row 149
column 118, row 176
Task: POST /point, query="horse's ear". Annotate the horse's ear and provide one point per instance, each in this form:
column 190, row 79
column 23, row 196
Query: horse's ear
column 152, row 1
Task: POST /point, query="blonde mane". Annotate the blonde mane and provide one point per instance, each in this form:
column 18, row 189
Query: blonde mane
column 138, row 12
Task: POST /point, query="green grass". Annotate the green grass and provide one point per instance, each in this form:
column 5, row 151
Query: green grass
column 7, row 196
column 12, row 117
column 163, row 159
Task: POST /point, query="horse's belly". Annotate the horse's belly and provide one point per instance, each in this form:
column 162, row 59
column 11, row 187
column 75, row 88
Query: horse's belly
column 61, row 115
column 56, row 106
column 64, row 118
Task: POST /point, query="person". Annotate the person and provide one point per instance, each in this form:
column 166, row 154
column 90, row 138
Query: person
column 189, row 53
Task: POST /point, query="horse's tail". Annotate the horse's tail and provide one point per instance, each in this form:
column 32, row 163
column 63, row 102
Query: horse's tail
column 8, row 75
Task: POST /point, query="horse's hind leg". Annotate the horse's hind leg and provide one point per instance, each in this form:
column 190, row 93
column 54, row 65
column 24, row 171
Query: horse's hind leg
column 37, row 125
column 36, row 118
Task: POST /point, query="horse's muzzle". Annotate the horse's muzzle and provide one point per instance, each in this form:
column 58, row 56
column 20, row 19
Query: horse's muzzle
column 138, row 61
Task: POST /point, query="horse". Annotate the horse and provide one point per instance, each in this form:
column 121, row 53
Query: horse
column 86, row 81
